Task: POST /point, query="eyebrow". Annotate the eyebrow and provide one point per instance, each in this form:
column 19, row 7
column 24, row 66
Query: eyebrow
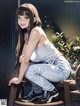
column 23, row 15
column 26, row 16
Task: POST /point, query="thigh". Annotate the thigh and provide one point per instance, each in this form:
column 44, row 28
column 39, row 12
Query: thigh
column 50, row 72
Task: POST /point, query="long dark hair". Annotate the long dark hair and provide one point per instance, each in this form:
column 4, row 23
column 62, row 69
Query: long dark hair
column 30, row 11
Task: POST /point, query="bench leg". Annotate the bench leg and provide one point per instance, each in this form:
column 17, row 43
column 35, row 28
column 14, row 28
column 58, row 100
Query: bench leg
column 12, row 95
column 67, row 93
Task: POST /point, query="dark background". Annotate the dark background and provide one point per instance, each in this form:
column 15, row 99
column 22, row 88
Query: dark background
column 7, row 44
column 62, row 16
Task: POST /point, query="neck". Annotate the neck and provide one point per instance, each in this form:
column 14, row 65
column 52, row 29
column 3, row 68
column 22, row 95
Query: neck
column 28, row 28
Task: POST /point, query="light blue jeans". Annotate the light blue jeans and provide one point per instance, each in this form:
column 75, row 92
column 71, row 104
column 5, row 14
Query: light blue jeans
column 41, row 75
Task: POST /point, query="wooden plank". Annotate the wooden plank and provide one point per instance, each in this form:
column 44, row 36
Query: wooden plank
column 57, row 103
column 75, row 95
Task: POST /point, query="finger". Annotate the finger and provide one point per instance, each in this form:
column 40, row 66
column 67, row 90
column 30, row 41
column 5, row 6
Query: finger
column 10, row 83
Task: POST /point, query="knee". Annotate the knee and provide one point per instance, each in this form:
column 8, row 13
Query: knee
column 29, row 74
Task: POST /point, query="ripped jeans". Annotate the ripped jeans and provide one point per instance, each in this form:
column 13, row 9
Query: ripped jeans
column 41, row 75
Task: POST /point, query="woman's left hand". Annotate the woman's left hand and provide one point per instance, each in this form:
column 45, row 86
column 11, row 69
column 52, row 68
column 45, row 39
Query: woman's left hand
column 14, row 80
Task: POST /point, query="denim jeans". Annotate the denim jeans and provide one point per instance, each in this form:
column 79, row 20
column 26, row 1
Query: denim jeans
column 41, row 75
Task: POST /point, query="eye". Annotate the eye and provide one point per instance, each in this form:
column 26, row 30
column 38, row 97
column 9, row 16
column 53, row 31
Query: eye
column 26, row 17
column 19, row 17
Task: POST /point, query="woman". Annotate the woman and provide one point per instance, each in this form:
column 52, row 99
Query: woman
column 49, row 65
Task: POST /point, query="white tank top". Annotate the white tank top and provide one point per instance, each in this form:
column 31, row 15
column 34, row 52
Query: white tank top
column 47, row 53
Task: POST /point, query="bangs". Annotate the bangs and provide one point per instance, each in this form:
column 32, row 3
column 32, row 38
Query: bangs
column 23, row 11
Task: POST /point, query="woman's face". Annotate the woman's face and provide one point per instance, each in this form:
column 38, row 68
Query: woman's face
column 23, row 21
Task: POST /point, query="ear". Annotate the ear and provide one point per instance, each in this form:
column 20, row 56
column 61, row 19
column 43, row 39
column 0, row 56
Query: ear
column 34, row 19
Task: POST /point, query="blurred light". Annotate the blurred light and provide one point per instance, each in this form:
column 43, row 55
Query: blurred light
column 47, row 25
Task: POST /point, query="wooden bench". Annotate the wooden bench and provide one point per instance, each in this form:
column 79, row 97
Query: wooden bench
column 16, row 92
column 69, row 95
column 72, row 90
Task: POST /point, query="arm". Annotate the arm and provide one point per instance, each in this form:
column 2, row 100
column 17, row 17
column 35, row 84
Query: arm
column 24, row 48
column 32, row 43
column 23, row 53
column 25, row 44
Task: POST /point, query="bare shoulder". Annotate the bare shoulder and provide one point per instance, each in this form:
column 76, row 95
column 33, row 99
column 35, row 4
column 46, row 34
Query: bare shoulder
column 38, row 35
column 35, row 34
column 38, row 30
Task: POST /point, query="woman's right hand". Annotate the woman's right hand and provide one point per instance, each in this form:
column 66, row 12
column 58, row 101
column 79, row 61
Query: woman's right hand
column 21, row 58
column 14, row 80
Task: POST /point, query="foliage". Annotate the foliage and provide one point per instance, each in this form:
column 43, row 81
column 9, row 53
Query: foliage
column 70, row 49
column 49, row 33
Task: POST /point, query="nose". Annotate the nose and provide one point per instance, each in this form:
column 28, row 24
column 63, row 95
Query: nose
column 22, row 24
